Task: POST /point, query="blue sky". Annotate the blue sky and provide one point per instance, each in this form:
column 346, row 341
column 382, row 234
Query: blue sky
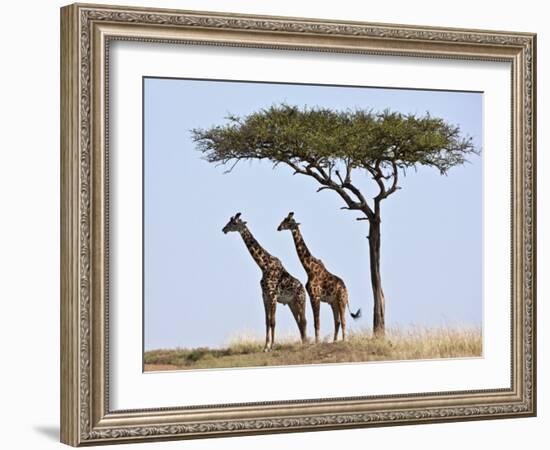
column 201, row 287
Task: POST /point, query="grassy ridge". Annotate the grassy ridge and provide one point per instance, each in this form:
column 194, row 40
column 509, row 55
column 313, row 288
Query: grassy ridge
column 415, row 343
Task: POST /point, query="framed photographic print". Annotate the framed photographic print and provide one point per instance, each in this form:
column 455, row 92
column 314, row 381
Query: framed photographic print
column 276, row 224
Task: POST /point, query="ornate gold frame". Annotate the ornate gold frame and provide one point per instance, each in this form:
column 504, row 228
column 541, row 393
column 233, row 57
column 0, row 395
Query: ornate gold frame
column 86, row 31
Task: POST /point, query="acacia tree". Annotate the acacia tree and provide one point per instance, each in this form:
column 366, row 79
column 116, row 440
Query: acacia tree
column 329, row 146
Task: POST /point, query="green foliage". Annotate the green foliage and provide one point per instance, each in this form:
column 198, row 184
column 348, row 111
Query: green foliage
column 326, row 139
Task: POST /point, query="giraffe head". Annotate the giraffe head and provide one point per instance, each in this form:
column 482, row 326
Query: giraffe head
column 288, row 223
column 235, row 224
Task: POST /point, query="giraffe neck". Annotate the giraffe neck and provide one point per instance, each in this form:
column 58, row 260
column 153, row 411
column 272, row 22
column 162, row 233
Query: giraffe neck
column 258, row 253
column 304, row 254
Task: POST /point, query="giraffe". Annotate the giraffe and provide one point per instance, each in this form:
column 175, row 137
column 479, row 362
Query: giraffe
column 322, row 286
column 277, row 284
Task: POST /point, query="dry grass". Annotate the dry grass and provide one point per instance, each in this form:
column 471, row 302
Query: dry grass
column 399, row 344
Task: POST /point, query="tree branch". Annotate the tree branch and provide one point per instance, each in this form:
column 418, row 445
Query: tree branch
column 328, row 183
column 237, row 160
column 346, row 184
column 357, row 193
column 348, row 171
column 394, row 187
column 377, row 176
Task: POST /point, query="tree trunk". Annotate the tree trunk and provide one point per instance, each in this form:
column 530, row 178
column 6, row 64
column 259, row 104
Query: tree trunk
column 376, row 281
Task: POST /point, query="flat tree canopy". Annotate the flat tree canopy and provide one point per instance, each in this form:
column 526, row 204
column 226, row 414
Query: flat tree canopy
column 287, row 133
column 329, row 145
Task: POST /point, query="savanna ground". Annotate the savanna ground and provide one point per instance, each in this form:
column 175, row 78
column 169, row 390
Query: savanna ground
column 360, row 346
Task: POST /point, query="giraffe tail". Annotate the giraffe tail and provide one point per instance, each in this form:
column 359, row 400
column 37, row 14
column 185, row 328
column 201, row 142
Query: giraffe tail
column 355, row 315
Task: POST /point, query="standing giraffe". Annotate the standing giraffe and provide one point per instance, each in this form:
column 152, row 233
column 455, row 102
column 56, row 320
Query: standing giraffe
column 322, row 286
column 277, row 284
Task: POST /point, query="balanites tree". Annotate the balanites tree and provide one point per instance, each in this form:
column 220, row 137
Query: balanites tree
column 329, row 146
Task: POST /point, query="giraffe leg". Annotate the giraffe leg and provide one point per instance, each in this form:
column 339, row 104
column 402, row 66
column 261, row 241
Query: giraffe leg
column 316, row 306
column 342, row 304
column 342, row 312
column 299, row 315
column 303, row 327
column 295, row 313
column 273, row 308
column 267, row 325
column 267, row 321
column 302, row 319
column 336, row 314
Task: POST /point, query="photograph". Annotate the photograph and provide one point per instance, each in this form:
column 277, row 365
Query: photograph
column 292, row 223
column 297, row 224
